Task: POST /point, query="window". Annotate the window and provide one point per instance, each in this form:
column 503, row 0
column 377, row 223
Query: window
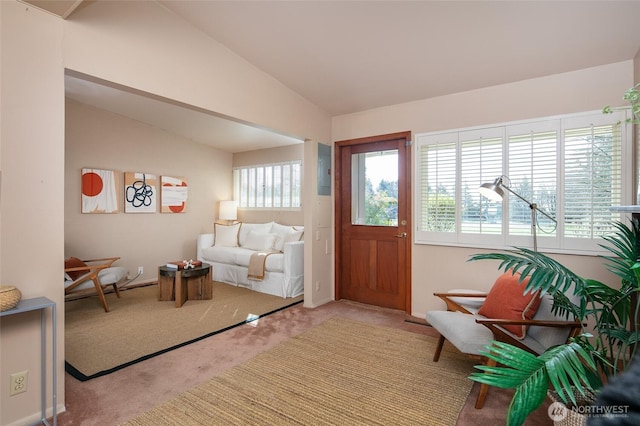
column 572, row 167
column 374, row 188
column 268, row 186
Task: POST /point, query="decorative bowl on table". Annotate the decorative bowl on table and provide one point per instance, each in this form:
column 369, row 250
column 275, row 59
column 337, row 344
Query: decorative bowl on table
column 9, row 297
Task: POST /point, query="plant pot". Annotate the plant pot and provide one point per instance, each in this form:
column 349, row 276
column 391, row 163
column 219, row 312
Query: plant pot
column 563, row 415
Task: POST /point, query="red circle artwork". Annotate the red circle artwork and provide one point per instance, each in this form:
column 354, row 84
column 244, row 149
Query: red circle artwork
column 91, row 184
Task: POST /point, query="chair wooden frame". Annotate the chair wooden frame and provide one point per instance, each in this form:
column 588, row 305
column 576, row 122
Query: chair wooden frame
column 499, row 333
column 91, row 273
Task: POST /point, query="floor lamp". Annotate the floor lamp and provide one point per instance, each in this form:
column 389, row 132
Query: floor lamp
column 494, row 192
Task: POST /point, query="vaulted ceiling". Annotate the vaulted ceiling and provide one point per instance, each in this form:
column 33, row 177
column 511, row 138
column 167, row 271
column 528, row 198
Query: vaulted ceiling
column 350, row 56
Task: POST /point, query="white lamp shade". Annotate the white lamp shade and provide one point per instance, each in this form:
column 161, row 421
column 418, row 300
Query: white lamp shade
column 228, row 210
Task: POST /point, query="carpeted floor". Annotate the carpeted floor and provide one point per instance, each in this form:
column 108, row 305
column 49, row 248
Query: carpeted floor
column 341, row 372
column 139, row 326
column 116, row 398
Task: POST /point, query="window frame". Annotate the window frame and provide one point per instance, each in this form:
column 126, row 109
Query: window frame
column 555, row 243
column 250, row 186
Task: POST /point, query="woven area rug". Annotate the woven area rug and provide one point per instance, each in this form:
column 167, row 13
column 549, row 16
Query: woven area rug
column 341, row 372
column 139, row 326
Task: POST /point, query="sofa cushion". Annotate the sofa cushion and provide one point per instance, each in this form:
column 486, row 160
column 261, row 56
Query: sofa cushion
column 260, row 241
column 507, row 300
column 461, row 330
column 286, row 234
column 226, row 235
column 220, row 254
column 296, row 235
column 257, row 227
column 469, row 337
column 549, row 336
column 273, row 263
column 112, row 275
column 240, row 256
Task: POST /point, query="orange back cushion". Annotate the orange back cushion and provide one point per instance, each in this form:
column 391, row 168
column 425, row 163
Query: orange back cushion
column 506, row 300
column 74, row 262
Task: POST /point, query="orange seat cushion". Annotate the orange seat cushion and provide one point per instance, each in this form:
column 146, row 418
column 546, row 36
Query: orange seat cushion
column 506, row 300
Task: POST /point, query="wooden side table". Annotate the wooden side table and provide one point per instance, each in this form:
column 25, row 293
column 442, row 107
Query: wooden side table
column 185, row 284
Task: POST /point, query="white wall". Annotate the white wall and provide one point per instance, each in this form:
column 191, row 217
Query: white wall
column 142, row 45
column 99, row 139
column 135, row 44
column 32, row 195
column 438, row 268
column 319, row 262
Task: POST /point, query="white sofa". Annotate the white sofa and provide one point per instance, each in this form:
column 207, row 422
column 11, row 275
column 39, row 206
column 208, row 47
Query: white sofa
column 229, row 251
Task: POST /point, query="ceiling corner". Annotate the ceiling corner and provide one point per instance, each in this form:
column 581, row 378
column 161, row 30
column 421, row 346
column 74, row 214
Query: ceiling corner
column 61, row 8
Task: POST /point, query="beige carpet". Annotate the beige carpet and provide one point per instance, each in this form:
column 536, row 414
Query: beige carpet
column 341, row 372
column 139, row 326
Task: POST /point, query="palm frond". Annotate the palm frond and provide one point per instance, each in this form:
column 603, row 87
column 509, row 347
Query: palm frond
column 564, row 366
column 527, row 398
column 545, row 274
column 565, row 308
column 624, row 244
column 580, row 366
column 517, row 365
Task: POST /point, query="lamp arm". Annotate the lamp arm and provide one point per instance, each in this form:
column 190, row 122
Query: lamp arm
column 533, row 206
column 546, row 214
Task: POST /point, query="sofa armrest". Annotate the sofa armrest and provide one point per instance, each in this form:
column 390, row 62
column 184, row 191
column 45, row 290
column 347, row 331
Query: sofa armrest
column 204, row 241
column 294, row 259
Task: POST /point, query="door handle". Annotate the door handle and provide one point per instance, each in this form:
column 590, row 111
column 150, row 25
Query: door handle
column 401, row 235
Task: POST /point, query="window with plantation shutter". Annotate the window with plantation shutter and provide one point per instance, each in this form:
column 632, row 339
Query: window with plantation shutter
column 532, row 168
column 571, row 167
column 436, row 173
column 593, row 162
column 268, row 186
column 480, row 161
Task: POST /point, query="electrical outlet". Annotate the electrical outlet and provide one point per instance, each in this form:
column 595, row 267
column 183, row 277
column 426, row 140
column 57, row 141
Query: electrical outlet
column 140, row 270
column 19, row 382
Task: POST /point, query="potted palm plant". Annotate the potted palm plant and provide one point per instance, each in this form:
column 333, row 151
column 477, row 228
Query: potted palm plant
column 582, row 366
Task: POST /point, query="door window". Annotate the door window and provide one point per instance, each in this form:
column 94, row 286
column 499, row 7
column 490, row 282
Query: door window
column 374, row 188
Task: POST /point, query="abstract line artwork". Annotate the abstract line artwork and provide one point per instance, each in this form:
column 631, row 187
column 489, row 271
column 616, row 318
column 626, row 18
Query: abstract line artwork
column 139, row 192
column 173, row 196
column 99, row 191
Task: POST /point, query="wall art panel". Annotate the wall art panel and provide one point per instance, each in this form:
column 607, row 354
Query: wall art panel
column 173, row 195
column 140, row 192
column 99, row 191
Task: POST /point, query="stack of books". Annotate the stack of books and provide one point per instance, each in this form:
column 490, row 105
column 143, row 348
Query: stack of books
column 184, row 264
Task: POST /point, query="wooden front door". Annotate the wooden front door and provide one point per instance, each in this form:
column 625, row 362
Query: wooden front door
column 373, row 220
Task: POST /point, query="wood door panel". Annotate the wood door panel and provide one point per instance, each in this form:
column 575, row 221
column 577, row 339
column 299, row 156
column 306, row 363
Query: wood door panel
column 359, row 266
column 373, row 273
column 373, row 261
column 387, row 267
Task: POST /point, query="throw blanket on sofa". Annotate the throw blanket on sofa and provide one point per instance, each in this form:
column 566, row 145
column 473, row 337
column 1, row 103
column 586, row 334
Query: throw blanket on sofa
column 257, row 265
